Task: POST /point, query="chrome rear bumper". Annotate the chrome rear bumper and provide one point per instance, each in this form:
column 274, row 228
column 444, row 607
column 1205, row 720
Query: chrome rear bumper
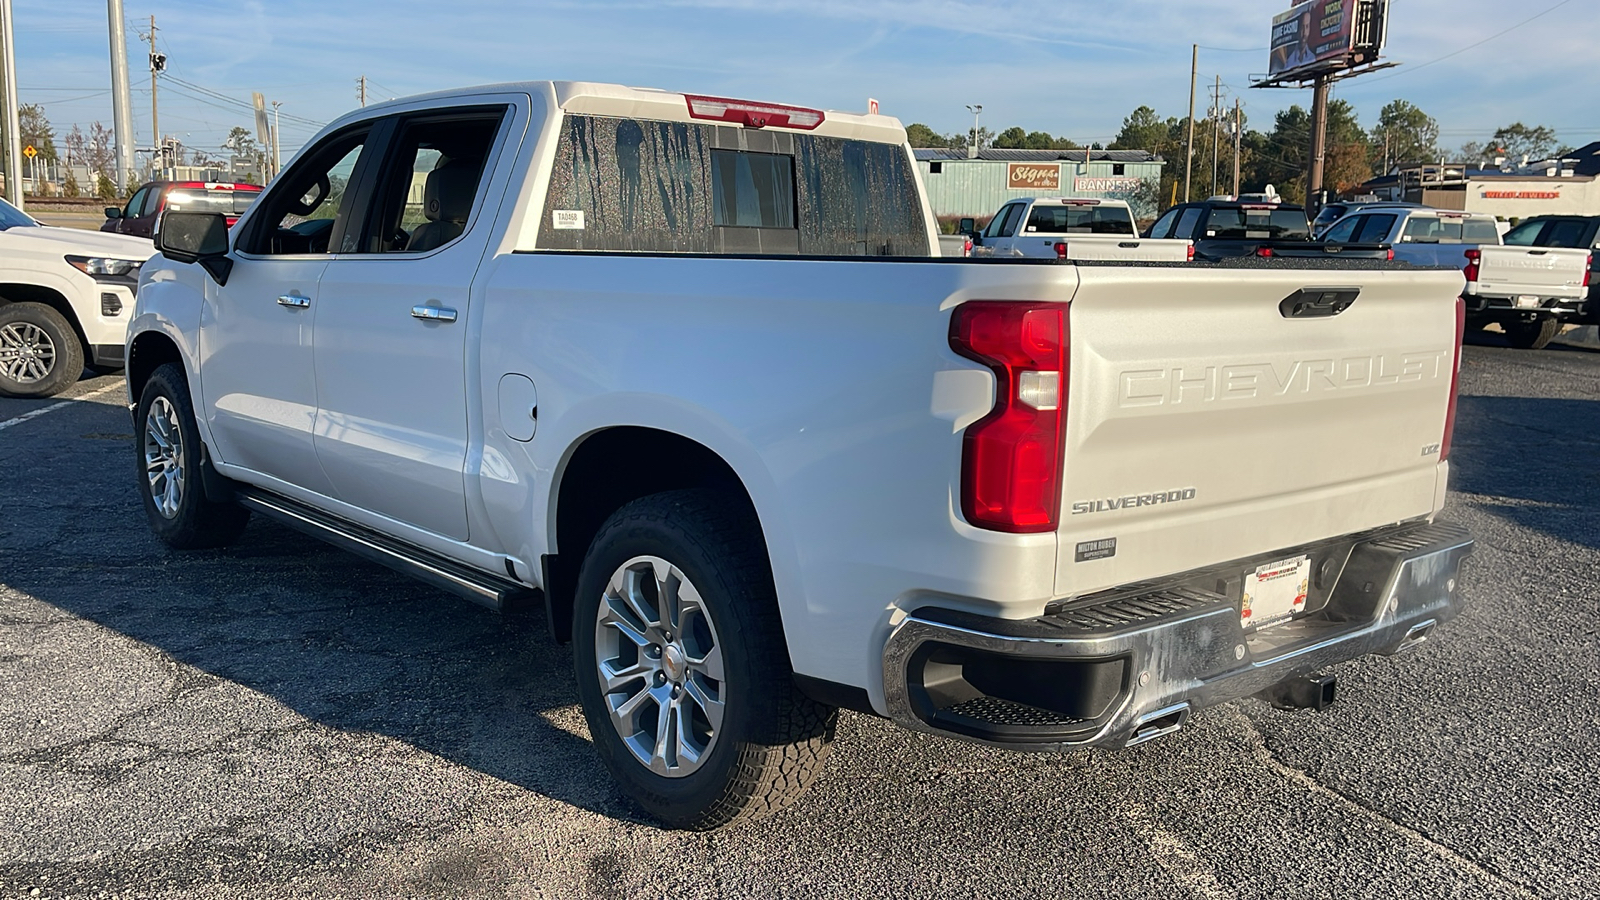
column 1122, row 667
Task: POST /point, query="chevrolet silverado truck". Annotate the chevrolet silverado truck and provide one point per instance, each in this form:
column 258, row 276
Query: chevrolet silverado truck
column 1530, row 291
column 1573, row 232
column 66, row 298
column 685, row 371
column 1073, row 228
column 1228, row 229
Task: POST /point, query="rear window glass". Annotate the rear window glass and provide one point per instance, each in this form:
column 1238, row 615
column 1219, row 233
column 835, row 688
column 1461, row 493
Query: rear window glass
column 1258, row 224
column 1455, row 230
column 752, row 190
column 1560, row 233
column 230, row 203
column 1080, row 220
column 673, row 187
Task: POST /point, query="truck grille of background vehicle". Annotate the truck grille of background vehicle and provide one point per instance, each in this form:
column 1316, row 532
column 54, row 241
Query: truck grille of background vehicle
column 110, row 304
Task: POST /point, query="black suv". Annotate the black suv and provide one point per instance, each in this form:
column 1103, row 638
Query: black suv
column 1222, row 229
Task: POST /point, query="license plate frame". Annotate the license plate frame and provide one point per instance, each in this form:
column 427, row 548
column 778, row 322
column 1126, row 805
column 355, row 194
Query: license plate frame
column 1527, row 301
column 1274, row 592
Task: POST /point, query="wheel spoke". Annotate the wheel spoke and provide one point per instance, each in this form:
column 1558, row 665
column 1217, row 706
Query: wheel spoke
column 634, row 597
column 663, row 759
column 687, row 751
column 624, row 713
column 667, row 587
column 618, row 678
column 709, row 665
column 619, row 619
column 711, row 706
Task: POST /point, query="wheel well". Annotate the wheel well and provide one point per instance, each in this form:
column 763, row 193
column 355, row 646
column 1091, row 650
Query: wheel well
column 608, row 470
column 150, row 351
column 13, row 292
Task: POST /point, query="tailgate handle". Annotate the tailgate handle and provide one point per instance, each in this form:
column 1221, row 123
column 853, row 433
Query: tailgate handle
column 1318, row 302
column 1130, row 245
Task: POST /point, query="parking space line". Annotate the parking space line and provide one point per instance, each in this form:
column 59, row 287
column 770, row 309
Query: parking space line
column 55, row 406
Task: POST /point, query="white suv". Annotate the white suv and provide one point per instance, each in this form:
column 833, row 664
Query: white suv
column 66, row 297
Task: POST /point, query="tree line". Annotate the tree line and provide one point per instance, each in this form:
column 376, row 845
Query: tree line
column 1280, row 156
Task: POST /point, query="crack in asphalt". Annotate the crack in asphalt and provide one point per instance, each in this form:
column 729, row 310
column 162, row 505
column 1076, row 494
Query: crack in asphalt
column 1265, row 755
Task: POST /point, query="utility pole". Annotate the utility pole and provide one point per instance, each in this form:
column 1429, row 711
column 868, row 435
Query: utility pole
column 1238, row 139
column 1188, row 161
column 275, row 160
column 157, row 63
column 977, row 110
column 361, row 89
column 1319, row 140
column 1216, row 136
column 121, row 97
column 13, row 143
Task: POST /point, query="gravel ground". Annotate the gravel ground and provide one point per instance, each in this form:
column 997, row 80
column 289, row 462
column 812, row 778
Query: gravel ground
column 281, row 719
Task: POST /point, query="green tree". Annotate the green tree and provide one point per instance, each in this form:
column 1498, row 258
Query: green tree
column 1143, row 130
column 1038, row 140
column 917, row 133
column 1012, row 138
column 35, row 130
column 1518, row 140
column 105, row 188
column 1405, row 134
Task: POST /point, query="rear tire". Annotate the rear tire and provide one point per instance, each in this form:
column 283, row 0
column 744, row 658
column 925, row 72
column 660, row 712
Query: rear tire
column 682, row 666
column 169, row 456
column 40, row 354
column 1534, row 335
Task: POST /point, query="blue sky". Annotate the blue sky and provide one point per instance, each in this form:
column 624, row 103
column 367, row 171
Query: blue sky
column 1069, row 68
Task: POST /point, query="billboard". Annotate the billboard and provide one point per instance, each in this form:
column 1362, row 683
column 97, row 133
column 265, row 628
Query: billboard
column 1312, row 34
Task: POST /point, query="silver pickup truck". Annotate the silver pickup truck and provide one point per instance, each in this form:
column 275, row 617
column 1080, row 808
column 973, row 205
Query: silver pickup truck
column 1530, row 291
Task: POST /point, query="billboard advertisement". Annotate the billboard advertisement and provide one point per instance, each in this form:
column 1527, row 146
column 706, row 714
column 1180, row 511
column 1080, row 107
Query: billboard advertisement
column 1033, row 176
column 1312, row 33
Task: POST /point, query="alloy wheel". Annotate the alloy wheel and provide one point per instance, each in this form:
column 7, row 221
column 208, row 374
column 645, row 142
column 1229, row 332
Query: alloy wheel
column 27, row 354
column 163, row 456
column 660, row 666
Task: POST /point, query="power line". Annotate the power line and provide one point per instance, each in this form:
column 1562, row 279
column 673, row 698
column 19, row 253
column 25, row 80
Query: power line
column 1469, row 46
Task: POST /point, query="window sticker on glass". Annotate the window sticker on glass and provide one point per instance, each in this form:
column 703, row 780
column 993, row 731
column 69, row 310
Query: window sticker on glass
column 568, row 219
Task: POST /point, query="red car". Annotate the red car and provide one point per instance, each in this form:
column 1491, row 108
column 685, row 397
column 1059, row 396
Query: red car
column 145, row 206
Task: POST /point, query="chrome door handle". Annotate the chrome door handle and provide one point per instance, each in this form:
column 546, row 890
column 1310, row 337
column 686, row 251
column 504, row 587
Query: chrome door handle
column 433, row 313
column 294, row 301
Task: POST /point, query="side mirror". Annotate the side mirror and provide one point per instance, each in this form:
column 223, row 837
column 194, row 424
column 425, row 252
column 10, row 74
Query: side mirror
column 113, row 212
column 194, row 237
column 967, row 226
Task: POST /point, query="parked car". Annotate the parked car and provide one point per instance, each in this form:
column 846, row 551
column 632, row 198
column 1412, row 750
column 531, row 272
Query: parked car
column 66, row 297
column 1073, row 228
column 1530, row 291
column 1226, row 229
column 1337, row 210
column 140, row 216
column 955, row 245
column 753, row 486
column 1574, row 232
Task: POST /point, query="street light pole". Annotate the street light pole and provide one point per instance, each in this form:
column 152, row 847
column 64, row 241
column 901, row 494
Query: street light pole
column 121, row 97
column 8, row 71
column 276, row 163
column 976, row 110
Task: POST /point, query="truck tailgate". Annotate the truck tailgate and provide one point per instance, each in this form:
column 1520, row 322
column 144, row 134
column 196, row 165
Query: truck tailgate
column 1204, row 423
column 1535, row 271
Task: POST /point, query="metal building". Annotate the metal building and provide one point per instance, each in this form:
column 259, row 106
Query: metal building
column 959, row 186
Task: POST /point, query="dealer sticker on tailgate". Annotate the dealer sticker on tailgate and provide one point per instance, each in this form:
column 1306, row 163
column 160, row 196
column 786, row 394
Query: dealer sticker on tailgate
column 1274, row 592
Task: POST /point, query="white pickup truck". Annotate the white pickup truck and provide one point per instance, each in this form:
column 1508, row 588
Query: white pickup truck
column 683, row 369
column 66, row 297
column 1073, row 228
column 1530, row 291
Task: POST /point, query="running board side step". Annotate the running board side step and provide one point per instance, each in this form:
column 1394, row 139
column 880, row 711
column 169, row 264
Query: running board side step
column 424, row 565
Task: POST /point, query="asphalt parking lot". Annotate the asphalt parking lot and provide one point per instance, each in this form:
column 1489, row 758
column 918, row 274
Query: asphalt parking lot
column 281, row 719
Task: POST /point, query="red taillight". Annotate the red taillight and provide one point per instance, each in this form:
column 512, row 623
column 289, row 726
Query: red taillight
column 966, row 249
column 1390, row 255
column 1061, row 250
column 1471, row 270
column 753, row 115
column 1191, row 253
column 1264, row 252
column 1011, row 458
column 1455, row 382
column 1588, row 270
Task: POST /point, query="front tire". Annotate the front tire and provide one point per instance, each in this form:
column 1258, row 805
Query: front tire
column 40, row 354
column 1535, row 335
column 682, row 666
column 170, row 461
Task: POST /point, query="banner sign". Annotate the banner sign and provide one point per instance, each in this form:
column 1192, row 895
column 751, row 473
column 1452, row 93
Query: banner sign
column 1033, row 176
column 1312, row 32
column 1109, row 185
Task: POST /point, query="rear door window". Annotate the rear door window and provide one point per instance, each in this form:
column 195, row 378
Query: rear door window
column 1187, row 222
column 1163, row 226
column 1345, row 230
column 1375, row 228
column 1480, row 231
column 1562, row 233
